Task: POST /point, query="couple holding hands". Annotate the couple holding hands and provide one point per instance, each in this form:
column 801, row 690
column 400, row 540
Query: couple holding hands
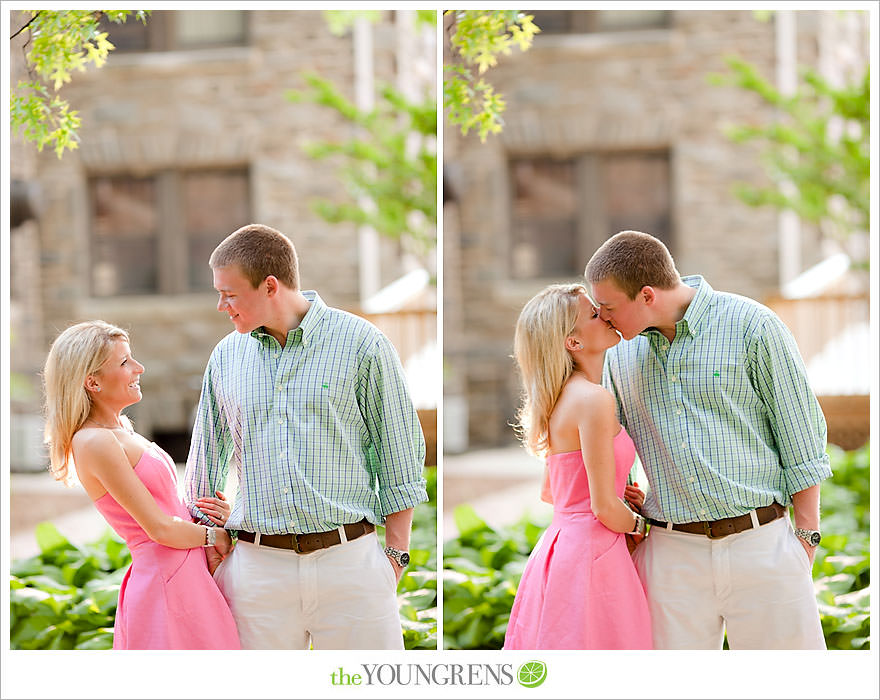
column 309, row 406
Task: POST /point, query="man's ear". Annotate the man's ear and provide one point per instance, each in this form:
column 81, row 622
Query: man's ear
column 648, row 295
column 272, row 285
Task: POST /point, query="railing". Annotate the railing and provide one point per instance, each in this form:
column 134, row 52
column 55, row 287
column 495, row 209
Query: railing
column 818, row 322
column 832, row 333
column 410, row 331
column 414, row 335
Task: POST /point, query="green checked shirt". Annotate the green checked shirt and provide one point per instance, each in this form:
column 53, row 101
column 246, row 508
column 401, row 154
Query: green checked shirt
column 723, row 418
column 320, row 433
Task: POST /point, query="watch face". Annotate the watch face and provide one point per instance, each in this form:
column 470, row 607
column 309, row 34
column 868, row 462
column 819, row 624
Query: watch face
column 815, row 538
column 404, row 559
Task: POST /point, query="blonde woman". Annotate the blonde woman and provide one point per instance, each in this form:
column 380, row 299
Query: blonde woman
column 168, row 599
column 579, row 589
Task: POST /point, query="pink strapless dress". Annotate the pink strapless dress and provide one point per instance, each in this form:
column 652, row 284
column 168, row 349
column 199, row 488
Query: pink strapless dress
column 167, row 600
column 580, row 589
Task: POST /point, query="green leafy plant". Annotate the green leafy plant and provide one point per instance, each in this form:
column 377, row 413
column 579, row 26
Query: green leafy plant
column 816, row 152
column 481, row 571
column 483, row 565
column 65, row 597
column 59, row 43
column 381, row 164
column 476, row 40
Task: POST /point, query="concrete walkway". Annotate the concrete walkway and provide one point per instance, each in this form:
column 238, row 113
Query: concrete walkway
column 502, row 485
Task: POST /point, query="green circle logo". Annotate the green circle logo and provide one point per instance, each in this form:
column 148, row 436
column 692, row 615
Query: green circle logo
column 531, row 674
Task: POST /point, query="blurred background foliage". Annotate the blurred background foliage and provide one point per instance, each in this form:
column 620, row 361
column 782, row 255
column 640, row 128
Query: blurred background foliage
column 483, row 565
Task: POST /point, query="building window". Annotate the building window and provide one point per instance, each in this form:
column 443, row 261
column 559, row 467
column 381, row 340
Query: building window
column 175, row 30
column 563, row 209
column 592, row 21
column 544, row 217
column 154, row 235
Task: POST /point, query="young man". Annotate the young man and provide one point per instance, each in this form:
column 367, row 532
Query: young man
column 308, row 404
column 713, row 391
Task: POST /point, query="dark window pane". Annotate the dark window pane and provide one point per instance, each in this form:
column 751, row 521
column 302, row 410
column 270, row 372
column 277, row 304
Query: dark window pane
column 214, row 205
column 131, row 35
column 544, row 218
column 168, row 30
column 586, row 21
column 124, row 243
column 637, row 194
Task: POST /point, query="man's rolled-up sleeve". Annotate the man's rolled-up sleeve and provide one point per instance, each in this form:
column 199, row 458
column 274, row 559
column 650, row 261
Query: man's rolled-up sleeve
column 397, row 450
column 795, row 416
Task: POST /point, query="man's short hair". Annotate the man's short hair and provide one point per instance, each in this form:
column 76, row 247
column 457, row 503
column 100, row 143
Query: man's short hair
column 259, row 251
column 633, row 260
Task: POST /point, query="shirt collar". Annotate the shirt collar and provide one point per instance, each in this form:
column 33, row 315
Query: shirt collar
column 697, row 314
column 310, row 323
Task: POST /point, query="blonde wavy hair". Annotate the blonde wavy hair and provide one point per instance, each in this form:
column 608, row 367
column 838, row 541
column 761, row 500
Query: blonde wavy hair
column 76, row 353
column 545, row 322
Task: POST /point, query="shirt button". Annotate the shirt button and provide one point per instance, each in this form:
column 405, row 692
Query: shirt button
column 691, row 480
column 280, row 455
column 673, row 378
column 684, row 445
column 292, row 525
column 678, row 412
column 702, row 512
column 278, row 388
column 280, row 421
column 277, row 354
column 285, row 490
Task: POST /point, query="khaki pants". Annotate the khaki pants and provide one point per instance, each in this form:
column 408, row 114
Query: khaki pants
column 755, row 583
column 342, row 597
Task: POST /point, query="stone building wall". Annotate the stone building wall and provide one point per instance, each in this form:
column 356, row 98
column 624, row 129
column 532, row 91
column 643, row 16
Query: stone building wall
column 576, row 93
column 205, row 108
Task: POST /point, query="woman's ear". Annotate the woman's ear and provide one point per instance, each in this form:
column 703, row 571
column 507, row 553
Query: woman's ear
column 572, row 345
column 91, row 384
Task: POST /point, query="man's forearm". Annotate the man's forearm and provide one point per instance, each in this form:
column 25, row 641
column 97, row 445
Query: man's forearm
column 805, row 505
column 397, row 529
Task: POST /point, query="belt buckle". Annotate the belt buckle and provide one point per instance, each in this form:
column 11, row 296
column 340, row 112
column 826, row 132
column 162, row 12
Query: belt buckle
column 707, row 529
column 294, row 538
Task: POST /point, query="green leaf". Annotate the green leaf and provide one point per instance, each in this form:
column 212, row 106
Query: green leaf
column 49, row 539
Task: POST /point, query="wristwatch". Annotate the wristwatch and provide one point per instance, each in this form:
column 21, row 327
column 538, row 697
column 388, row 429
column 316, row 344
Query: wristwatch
column 402, row 558
column 210, row 537
column 811, row 537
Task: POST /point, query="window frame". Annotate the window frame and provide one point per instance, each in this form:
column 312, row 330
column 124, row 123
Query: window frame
column 172, row 239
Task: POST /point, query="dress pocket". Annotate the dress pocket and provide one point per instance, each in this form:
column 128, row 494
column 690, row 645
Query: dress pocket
column 604, row 541
column 174, row 563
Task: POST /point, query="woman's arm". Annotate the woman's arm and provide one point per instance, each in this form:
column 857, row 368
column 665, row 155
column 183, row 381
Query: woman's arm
column 597, row 426
column 546, row 491
column 101, row 456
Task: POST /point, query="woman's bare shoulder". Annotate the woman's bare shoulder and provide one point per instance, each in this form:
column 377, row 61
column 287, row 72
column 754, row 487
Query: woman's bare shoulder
column 94, row 443
column 582, row 395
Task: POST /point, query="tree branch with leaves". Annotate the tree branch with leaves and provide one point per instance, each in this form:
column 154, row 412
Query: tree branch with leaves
column 816, row 153
column 474, row 40
column 58, row 43
column 380, row 164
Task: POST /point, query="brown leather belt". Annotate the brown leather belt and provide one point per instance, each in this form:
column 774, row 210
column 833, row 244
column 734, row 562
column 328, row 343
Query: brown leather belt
column 310, row 541
column 716, row 529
